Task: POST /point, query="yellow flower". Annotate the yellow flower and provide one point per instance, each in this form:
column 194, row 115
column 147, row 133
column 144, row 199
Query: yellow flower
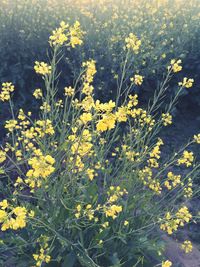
column 126, row 223
column 6, row 90
column 172, row 181
column 133, row 101
column 78, row 208
column 121, row 114
column 187, row 83
column 45, row 107
column 106, row 123
column 44, row 127
column 188, row 192
column 104, row 107
column 167, row 119
column 59, row 36
column 4, row 204
column 186, row 159
column 41, row 168
column 187, row 246
column 12, row 217
column 133, row 43
column 105, row 225
column 137, row 79
column 113, row 211
column 175, row 65
column 76, row 34
column 86, row 117
column 88, row 77
column 90, row 173
column 42, row 256
column 37, row 93
column 166, row 263
column 42, row 68
column 171, row 223
column 11, row 125
column 69, row 91
column 197, row 138
column 2, row 156
column 3, row 215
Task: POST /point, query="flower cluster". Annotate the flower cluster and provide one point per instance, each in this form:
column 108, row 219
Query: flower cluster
column 76, row 35
column 171, row 223
column 188, row 191
column 13, row 217
column 88, row 77
column 69, row 91
column 81, row 148
column 187, row 83
column 155, row 154
column 175, row 65
column 197, row 138
column 6, row 90
column 111, row 209
column 44, row 127
column 41, row 168
column 186, row 159
column 166, row 119
column 67, row 35
column 133, row 43
column 187, row 246
column 2, row 156
column 37, row 93
column 11, row 125
column 137, row 79
column 42, row 256
column 42, row 68
column 146, row 173
column 172, row 180
column 58, row 36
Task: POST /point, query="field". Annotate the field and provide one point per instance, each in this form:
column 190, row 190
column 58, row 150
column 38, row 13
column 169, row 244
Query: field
column 100, row 133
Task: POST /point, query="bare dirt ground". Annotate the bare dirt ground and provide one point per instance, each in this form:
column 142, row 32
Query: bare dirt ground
column 178, row 257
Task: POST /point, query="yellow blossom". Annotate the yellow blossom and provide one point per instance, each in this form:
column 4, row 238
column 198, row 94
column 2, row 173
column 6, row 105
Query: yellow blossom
column 167, row 119
column 197, row 138
column 133, row 43
column 175, row 65
column 69, row 91
column 186, row 159
column 41, row 168
column 187, row 246
column 86, row 117
column 2, row 156
column 112, row 211
column 11, row 125
column 137, row 79
column 42, row 68
column 76, row 34
column 37, row 93
column 187, row 83
column 166, row 263
column 12, row 217
column 59, row 36
column 106, row 123
column 6, row 90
